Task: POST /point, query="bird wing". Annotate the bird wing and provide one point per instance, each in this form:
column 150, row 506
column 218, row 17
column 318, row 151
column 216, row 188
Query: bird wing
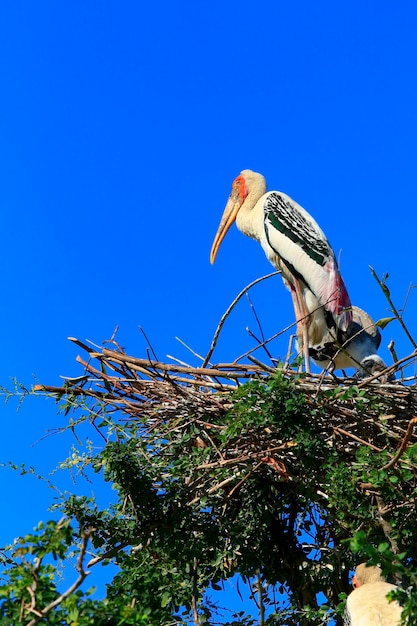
column 350, row 349
column 365, row 321
column 303, row 247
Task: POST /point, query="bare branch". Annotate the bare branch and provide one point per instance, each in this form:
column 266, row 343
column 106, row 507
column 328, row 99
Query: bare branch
column 227, row 313
column 403, row 445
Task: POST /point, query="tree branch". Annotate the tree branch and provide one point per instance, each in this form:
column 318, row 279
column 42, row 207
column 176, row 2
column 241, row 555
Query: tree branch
column 194, row 596
column 403, row 445
column 82, row 576
column 227, row 313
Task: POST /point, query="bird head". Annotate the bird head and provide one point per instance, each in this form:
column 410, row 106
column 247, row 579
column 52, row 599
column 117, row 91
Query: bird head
column 367, row 574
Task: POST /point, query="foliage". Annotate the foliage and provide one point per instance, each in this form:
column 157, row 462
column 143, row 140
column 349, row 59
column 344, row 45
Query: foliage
column 280, row 479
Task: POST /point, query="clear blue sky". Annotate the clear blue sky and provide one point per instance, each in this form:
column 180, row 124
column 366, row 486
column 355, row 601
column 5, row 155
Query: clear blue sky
column 122, row 127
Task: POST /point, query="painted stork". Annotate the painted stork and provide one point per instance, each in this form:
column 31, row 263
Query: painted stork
column 368, row 604
column 295, row 244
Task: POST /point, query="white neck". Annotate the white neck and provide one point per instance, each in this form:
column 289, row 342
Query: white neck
column 249, row 220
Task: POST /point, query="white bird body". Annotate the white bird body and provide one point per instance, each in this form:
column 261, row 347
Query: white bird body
column 295, row 244
column 248, row 223
column 331, row 331
column 368, row 604
column 349, row 349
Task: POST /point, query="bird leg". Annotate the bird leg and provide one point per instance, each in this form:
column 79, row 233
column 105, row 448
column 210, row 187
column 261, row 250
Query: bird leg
column 301, row 315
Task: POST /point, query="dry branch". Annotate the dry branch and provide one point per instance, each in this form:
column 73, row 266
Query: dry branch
column 156, row 393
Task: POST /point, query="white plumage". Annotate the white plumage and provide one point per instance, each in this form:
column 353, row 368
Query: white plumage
column 338, row 335
column 294, row 244
column 368, row 605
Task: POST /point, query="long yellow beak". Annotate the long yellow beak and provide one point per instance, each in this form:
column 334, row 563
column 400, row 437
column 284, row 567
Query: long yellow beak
column 229, row 216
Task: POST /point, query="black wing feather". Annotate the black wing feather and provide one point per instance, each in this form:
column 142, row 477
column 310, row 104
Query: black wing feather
column 282, row 215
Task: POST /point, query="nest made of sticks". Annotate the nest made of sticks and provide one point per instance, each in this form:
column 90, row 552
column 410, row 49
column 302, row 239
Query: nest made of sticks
column 163, row 396
column 156, row 393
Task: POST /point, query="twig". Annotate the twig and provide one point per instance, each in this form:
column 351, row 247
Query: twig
column 148, row 342
column 227, row 313
column 261, row 343
column 215, row 488
column 190, row 349
column 355, row 438
column 108, row 554
column 403, row 445
column 134, row 362
column 399, row 317
column 255, row 315
column 267, row 368
column 81, row 344
column 242, row 480
column 407, row 295
column 281, row 332
column 247, row 457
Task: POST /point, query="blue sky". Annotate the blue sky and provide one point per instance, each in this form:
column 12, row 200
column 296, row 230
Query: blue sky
column 121, row 130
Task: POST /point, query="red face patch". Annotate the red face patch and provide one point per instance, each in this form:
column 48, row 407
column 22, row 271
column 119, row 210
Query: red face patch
column 239, row 187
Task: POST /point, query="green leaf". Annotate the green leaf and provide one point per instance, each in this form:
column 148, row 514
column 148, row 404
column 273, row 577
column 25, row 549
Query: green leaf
column 384, row 321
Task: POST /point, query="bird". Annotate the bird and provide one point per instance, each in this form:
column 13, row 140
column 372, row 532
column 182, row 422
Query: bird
column 355, row 348
column 367, row 604
column 295, row 245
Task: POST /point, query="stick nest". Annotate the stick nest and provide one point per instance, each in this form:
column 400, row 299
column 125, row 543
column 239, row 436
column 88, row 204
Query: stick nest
column 169, row 396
